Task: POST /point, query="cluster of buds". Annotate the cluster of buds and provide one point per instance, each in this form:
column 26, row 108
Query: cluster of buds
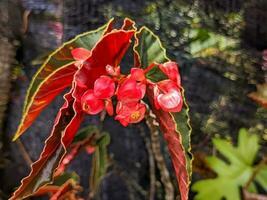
column 129, row 90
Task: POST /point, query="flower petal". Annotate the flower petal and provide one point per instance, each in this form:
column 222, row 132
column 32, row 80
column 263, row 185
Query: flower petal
column 167, row 85
column 91, row 104
column 138, row 74
column 138, row 114
column 170, row 102
column 156, row 93
column 142, row 88
column 109, row 107
column 104, row 87
column 129, row 91
column 171, row 70
column 123, row 120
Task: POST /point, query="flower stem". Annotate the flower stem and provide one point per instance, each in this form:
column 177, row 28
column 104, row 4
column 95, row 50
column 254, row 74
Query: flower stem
column 151, row 66
column 155, row 142
column 256, row 171
column 151, row 160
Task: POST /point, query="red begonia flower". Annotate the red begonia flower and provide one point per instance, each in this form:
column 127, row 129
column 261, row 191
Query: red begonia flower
column 91, row 104
column 171, row 70
column 138, row 74
column 80, row 54
column 131, row 91
column 167, row 96
column 130, row 113
column 104, row 87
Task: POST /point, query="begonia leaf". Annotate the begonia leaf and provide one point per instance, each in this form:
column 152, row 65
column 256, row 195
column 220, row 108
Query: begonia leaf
column 175, row 126
column 99, row 162
column 66, row 122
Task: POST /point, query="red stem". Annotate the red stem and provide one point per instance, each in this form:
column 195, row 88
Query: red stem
column 151, row 66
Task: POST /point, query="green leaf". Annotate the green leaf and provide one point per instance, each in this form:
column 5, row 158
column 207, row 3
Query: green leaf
column 261, row 178
column 175, row 126
column 99, row 162
column 246, row 142
column 148, row 49
column 205, row 43
column 233, row 174
column 60, row 180
column 85, row 133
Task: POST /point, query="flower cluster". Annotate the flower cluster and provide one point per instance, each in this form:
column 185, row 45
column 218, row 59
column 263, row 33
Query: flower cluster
column 130, row 90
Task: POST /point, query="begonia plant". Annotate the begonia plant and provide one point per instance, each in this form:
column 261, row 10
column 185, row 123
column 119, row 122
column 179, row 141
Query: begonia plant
column 90, row 65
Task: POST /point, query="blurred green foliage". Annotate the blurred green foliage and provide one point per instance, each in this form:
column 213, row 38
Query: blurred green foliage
column 233, row 173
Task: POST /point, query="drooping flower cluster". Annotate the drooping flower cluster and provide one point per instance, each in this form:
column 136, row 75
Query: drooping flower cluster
column 129, row 91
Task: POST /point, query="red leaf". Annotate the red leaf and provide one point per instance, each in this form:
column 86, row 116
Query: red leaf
column 108, row 51
column 72, row 153
column 65, row 126
column 54, row 84
column 67, row 159
column 128, row 24
column 65, row 188
column 80, row 54
column 174, row 142
column 48, row 189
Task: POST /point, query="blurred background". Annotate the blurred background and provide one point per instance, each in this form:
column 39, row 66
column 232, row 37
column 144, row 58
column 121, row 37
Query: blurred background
column 219, row 45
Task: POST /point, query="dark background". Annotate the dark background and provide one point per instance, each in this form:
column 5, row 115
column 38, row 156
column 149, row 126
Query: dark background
column 216, row 85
